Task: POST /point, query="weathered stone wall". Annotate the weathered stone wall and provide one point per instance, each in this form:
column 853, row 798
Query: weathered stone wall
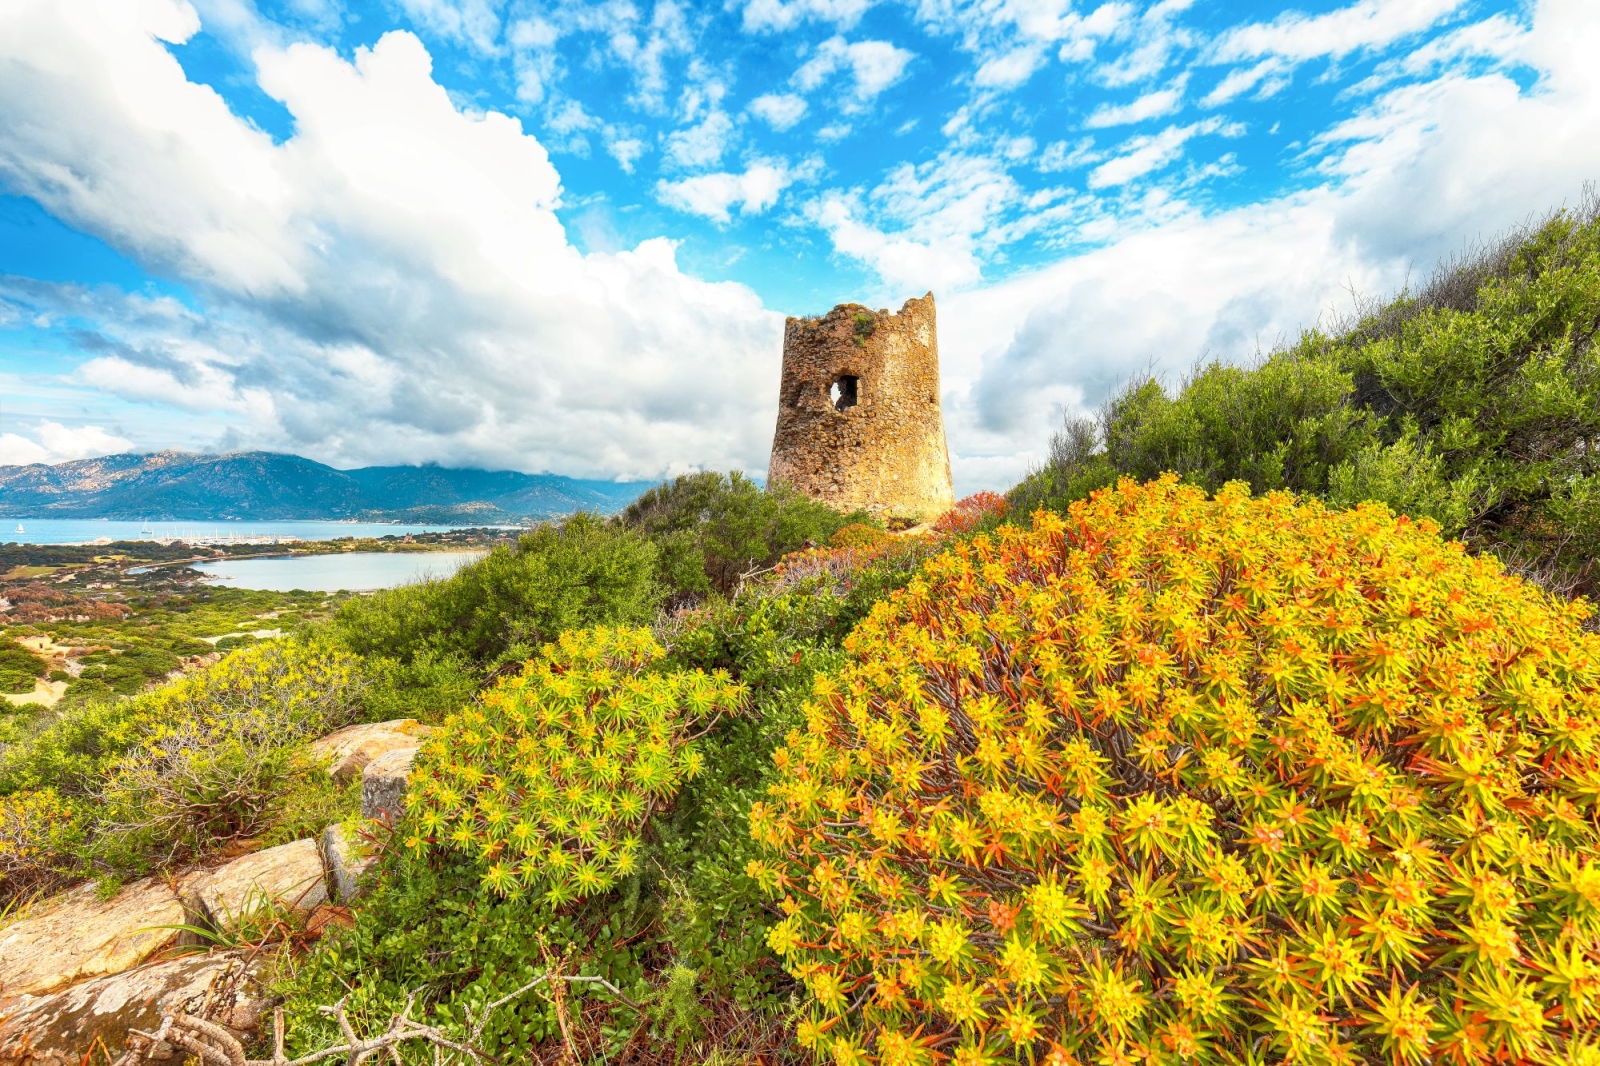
column 884, row 452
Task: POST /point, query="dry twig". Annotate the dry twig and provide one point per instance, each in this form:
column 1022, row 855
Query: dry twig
column 213, row 1045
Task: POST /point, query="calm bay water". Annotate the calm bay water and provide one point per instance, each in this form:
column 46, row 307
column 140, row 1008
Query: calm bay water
column 86, row 531
column 351, row 572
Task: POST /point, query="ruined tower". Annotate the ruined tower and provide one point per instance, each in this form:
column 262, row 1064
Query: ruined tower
column 859, row 421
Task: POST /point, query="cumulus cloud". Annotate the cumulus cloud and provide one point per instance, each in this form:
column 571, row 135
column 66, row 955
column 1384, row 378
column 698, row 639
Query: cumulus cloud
column 391, row 283
column 700, row 145
column 52, row 442
column 873, row 66
column 779, row 110
column 713, row 196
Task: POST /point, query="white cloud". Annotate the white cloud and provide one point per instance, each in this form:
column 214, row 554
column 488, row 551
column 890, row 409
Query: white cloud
column 763, row 16
column 474, row 24
column 778, row 110
column 1241, row 80
column 703, row 144
column 53, row 442
column 1156, row 36
column 714, row 195
column 1010, row 69
column 1142, row 155
column 925, row 225
column 1423, row 170
column 1151, row 105
column 667, row 35
column 873, row 67
column 1297, row 36
column 389, row 284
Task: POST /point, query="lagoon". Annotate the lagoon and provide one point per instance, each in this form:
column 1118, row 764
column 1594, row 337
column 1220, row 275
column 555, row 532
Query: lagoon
column 346, row 571
column 89, row 530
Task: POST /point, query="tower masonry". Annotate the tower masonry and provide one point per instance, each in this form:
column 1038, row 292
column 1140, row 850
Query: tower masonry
column 859, row 421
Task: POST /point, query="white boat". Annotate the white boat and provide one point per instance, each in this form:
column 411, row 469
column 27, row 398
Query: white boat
column 147, row 531
column 20, row 529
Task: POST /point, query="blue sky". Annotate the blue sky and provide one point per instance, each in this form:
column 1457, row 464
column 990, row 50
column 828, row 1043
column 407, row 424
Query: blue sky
column 562, row 236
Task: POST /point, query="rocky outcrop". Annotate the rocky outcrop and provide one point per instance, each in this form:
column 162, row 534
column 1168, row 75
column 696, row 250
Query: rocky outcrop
column 347, row 860
column 78, row 936
column 61, row 1028
column 289, row 875
column 383, row 785
column 348, row 751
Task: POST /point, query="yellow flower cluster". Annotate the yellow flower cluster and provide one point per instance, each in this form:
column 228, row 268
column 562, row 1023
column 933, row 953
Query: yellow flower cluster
column 548, row 780
column 1178, row 779
column 37, row 828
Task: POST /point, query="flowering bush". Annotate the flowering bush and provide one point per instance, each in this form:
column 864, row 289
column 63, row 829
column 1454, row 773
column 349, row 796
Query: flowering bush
column 971, row 512
column 39, row 830
column 218, row 749
column 1182, row 779
column 857, row 535
column 549, row 780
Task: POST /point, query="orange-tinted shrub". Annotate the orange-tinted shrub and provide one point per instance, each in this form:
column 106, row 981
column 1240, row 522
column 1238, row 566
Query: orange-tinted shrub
column 970, row 512
column 857, row 535
column 1188, row 780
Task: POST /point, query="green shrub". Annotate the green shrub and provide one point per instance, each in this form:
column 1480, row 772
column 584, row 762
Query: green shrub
column 1179, row 779
column 429, row 645
column 716, row 531
column 1474, row 402
column 19, row 667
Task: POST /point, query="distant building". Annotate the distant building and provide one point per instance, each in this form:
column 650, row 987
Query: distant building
column 859, row 419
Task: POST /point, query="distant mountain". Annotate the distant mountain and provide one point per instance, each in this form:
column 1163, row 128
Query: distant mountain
column 182, row 486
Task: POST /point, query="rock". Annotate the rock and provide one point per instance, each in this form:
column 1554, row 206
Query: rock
column 350, row 749
column 345, row 856
column 289, row 875
column 78, row 936
column 383, row 785
column 60, row 1029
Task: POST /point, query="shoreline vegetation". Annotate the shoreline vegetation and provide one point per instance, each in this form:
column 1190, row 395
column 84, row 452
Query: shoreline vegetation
column 1262, row 723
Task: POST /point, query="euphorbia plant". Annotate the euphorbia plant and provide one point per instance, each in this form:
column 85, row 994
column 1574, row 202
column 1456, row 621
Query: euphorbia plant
column 1186, row 779
column 548, row 780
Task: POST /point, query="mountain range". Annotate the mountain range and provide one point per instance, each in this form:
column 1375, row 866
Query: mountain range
column 184, row 486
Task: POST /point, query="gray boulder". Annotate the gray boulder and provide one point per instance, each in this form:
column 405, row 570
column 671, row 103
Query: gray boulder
column 347, row 859
column 383, row 785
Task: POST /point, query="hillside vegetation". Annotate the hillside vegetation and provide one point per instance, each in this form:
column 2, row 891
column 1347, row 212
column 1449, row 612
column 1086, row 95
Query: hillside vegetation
column 1474, row 401
column 1171, row 766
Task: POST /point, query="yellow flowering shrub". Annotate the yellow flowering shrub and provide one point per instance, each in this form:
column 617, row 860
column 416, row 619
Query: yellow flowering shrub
column 39, row 831
column 1178, row 779
column 549, row 779
column 216, row 750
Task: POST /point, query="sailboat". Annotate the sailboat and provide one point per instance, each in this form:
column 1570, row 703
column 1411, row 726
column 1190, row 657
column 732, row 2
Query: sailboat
column 20, row 529
column 147, row 531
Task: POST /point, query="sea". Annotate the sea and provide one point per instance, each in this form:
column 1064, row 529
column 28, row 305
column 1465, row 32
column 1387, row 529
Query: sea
column 341, row 571
column 89, row 530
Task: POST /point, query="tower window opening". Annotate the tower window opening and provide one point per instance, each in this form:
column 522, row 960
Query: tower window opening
column 844, row 391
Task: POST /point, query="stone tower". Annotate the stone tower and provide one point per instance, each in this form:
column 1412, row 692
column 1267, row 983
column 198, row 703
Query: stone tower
column 859, row 421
